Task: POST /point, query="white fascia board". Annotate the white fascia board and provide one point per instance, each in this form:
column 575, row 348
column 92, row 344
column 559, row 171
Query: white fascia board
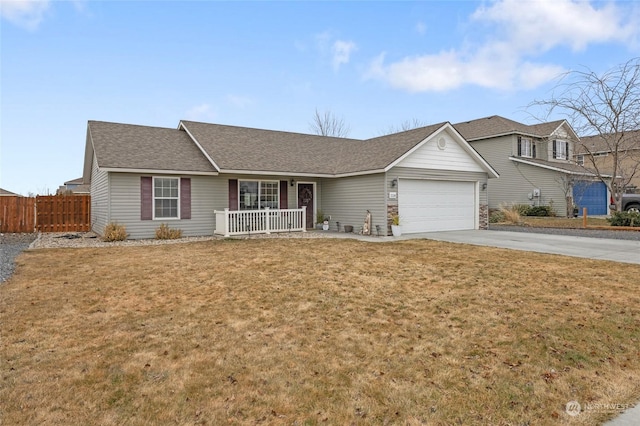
column 213, row 163
column 158, row 171
column 511, row 132
column 272, row 173
column 557, row 169
column 310, row 175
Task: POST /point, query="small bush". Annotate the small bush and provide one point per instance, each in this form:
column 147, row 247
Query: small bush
column 166, row 233
column 522, row 209
column 496, row 217
column 114, row 232
column 539, row 211
column 625, row 219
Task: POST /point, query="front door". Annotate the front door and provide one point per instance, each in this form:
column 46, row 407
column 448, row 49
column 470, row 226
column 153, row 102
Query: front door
column 305, row 198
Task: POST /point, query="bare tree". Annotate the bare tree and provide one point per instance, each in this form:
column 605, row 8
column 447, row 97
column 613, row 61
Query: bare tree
column 606, row 106
column 414, row 123
column 328, row 124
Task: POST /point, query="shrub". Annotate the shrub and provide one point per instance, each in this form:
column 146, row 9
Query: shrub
column 166, row 233
column 511, row 213
column 625, row 219
column 539, row 211
column 114, row 232
column 395, row 219
column 522, row 209
column 496, row 217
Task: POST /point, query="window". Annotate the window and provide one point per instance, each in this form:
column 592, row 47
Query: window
column 254, row 195
column 526, row 149
column 560, row 150
column 580, row 160
column 165, row 198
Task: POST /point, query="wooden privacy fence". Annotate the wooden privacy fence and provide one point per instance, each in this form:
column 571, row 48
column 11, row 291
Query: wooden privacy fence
column 17, row 214
column 46, row 213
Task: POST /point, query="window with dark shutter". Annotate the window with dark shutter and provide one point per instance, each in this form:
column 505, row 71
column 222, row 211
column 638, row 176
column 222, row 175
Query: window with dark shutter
column 146, row 198
column 519, row 146
column 555, row 150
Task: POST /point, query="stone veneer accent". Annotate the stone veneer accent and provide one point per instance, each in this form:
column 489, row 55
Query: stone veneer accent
column 483, row 215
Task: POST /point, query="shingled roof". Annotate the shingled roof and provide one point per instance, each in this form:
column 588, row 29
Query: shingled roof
column 496, row 125
column 630, row 140
column 246, row 149
column 196, row 147
column 128, row 146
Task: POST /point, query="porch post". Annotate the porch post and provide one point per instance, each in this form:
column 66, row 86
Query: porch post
column 226, row 221
column 304, row 218
column 267, row 225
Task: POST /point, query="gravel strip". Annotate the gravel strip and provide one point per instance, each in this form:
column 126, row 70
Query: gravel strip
column 11, row 245
column 590, row 233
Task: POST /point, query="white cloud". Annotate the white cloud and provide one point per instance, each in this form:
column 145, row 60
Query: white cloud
column 202, row 112
column 342, row 52
column 519, row 32
column 24, row 13
column 240, row 101
column 338, row 50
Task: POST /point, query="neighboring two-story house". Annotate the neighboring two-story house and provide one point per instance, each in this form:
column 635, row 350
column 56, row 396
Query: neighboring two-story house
column 597, row 151
column 535, row 163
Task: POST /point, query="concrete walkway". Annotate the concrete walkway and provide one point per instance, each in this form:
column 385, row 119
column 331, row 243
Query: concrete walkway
column 590, row 248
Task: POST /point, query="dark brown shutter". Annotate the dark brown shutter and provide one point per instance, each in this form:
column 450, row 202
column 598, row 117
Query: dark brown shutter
column 185, row 198
column 519, row 146
column 555, row 151
column 146, row 198
column 233, row 194
column 533, row 149
column 284, row 196
column 566, row 150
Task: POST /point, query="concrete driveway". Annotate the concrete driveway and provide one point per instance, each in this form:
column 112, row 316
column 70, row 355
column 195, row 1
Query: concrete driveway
column 590, row 248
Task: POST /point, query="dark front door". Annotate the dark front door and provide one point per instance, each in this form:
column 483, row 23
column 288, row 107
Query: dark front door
column 305, row 198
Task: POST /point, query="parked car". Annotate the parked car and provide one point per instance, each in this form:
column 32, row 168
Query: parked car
column 631, row 202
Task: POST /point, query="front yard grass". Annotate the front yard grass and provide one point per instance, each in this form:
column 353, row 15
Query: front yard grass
column 316, row 331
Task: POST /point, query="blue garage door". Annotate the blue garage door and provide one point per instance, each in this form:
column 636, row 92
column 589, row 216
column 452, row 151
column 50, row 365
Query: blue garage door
column 592, row 195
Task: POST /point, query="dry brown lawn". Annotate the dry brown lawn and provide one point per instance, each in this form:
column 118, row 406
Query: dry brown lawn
column 316, row 331
column 560, row 222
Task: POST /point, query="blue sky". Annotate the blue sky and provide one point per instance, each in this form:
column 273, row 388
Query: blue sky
column 271, row 64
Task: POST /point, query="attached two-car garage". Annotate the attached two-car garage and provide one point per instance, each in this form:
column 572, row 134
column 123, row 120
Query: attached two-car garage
column 436, row 205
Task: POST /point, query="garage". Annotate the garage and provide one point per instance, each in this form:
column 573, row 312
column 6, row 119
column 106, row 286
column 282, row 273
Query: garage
column 592, row 195
column 436, row 205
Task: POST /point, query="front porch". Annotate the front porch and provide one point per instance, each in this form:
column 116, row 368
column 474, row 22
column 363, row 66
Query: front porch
column 263, row 221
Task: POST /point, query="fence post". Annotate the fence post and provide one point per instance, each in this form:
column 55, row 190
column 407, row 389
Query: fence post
column 584, row 217
column 267, row 225
column 226, row 221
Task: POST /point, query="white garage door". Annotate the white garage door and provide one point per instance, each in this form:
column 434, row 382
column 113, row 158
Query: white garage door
column 436, row 205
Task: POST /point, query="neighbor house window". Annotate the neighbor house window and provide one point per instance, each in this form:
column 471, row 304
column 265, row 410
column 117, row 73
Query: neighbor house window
column 166, row 197
column 560, row 150
column 580, row 160
column 525, row 147
column 254, row 195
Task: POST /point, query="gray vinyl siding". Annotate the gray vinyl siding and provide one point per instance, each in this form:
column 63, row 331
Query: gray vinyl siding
column 99, row 198
column 411, row 173
column 125, row 206
column 517, row 180
column 347, row 200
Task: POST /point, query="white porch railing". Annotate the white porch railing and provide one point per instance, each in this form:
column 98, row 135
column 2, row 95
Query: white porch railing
column 265, row 221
